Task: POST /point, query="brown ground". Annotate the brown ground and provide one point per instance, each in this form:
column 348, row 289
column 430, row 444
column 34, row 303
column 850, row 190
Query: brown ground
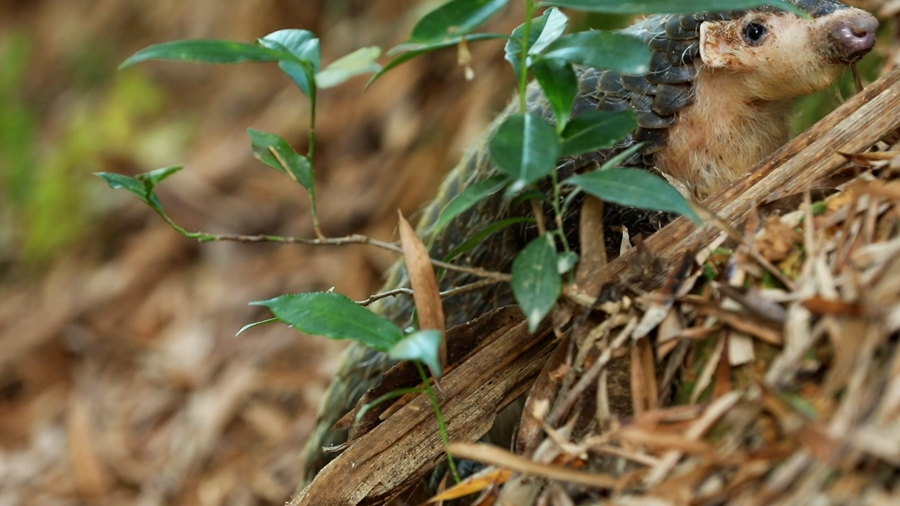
column 121, row 379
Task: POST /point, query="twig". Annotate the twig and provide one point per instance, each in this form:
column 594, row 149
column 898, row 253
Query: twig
column 384, row 295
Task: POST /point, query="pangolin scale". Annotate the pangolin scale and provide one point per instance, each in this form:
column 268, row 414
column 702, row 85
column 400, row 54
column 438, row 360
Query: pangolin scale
column 715, row 101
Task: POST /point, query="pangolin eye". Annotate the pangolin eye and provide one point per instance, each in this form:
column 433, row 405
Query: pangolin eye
column 754, row 33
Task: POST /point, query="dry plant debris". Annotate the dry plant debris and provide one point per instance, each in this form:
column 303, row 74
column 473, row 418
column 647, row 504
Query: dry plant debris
column 742, row 391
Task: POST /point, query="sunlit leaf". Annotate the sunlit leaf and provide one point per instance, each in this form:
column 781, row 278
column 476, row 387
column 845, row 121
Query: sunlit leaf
column 334, row 316
column 602, row 50
column 205, row 51
column 544, row 30
column 361, row 61
column 424, row 346
column 455, row 18
column 305, row 60
column 412, row 50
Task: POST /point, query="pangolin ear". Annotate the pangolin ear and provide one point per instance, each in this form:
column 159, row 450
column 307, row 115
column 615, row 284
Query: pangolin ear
column 713, row 44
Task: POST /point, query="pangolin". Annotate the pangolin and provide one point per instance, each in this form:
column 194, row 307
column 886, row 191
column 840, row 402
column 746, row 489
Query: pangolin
column 717, row 99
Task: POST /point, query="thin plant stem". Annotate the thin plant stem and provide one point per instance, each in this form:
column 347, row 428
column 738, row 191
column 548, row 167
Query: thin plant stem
column 440, row 419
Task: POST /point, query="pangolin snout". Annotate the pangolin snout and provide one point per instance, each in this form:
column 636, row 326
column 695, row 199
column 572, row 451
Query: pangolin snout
column 854, row 35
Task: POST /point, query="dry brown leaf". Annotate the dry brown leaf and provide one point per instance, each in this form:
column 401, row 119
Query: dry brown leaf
column 426, row 293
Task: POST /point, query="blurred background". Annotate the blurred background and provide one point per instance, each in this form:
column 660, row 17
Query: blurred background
column 121, row 378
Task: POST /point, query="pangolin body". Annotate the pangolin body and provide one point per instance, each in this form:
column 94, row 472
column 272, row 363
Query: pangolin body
column 715, row 102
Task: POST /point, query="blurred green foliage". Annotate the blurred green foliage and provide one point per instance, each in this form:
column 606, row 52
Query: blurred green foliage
column 45, row 186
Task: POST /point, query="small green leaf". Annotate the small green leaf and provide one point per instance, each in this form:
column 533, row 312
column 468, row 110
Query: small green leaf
column 536, row 281
column 471, row 196
column 566, row 261
column 667, row 6
column 455, row 18
column 596, row 130
column 424, row 346
column 560, row 86
column 294, row 165
column 129, row 184
column 204, row 51
column 413, row 50
column 142, row 186
column 634, row 188
column 154, row 177
column 525, row 147
column 602, row 50
column 544, row 30
column 361, row 61
column 305, row 56
column 334, row 316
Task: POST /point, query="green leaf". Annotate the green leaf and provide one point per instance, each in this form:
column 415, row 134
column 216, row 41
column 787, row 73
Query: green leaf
column 634, row 188
column 471, row 196
column 294, row 165
column 305, row 56
column 413, row 50
column 455, row 18
column 536, row 281
column 334, row 316
column 424, row 346
column 667, row 6
column 602, row 50
column 142, row 186
column 566, row 261
column 204, row 51
column 525, row 147
column 596, row 130
column 361, row 61
column 544, row 30
column 560, row 86
column 476, row 238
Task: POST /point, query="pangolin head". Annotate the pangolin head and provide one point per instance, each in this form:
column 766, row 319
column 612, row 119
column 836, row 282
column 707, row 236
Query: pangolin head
column 781, row 55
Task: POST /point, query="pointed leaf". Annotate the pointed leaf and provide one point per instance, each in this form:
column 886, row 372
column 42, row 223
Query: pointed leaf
column 424, row 346
column 667, row 6
column 634, row 188
column 536, row 281
column 334, row 316
column 566, row 261
column 275, row 152
column 471, row 196
column 361, row 61
column 305, row 56
column 455, row 18
column 544, row 30
column 426, row 294
column 412, row 50
column 560, row 86
column 142, row 186
column 204, row 51
column 596, row 130
column 525, row 147
column 602, row 50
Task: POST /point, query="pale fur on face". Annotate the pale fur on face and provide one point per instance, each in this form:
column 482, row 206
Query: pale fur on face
column 743, row 96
